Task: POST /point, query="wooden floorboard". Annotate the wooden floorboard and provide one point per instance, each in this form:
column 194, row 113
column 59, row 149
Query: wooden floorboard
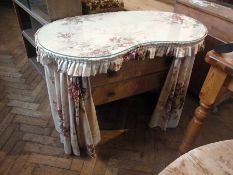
column 29, row 143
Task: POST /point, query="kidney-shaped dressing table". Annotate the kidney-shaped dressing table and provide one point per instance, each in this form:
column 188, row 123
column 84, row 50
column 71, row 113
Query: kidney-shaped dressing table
column 73, row 49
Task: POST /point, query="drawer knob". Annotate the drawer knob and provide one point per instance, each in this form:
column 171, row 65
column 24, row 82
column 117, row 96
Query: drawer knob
column 111, row 94
column 111, row 73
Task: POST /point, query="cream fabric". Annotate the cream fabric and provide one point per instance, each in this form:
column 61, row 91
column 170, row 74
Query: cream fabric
column 73, row 110
column 73, row 49
column 171, row 101
column 90, row 44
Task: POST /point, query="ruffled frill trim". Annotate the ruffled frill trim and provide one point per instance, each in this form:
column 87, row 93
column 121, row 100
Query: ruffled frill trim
column 90, row 67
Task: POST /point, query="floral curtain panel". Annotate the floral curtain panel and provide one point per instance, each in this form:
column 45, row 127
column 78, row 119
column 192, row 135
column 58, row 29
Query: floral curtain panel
column 73, row 110
column 73, row 49
column 171, row 101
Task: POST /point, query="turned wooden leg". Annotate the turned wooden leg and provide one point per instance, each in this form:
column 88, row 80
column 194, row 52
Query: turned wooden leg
column 194, row 127
column 208, row 95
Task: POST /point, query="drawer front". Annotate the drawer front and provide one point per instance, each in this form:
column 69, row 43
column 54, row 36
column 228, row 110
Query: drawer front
column 118, row 90
column 132, row 69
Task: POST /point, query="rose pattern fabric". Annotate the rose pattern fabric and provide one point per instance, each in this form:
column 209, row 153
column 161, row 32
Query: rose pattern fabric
column 171, row 101
column 109, row 35
column 73, row 49
column 73, row 111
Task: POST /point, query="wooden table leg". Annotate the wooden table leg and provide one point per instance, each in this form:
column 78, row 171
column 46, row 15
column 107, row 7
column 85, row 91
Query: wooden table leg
column 209, row 92
column 194, row 127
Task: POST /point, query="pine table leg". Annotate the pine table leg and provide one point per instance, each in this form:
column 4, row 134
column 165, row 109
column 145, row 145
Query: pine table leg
column 209, row 93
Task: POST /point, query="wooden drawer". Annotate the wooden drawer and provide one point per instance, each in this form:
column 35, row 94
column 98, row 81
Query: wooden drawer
column 132, row 69
column 126, row 88
column 135, row 77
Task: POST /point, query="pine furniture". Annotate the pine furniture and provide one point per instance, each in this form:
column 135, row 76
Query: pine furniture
column 74, row 49
column 219, row 78
column 214, row 158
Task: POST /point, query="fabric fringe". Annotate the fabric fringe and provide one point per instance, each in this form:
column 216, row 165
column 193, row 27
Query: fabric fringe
column 86, row 67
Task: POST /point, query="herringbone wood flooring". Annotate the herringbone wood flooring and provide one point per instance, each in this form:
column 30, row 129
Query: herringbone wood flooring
column 30, row 145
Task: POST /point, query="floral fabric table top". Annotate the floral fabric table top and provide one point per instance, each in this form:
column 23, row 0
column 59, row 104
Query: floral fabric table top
column 107, row 35
column 73, row 49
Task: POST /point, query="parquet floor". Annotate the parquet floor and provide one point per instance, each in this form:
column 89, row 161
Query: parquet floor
column 30, row 145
